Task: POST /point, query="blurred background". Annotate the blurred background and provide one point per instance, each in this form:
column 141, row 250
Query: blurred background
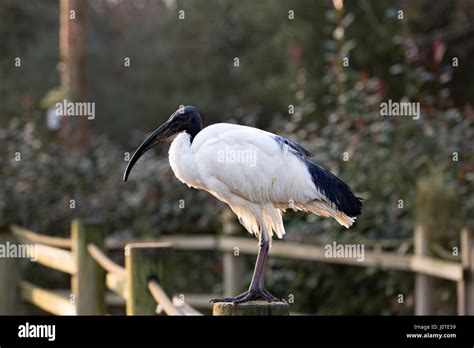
column 277, row 65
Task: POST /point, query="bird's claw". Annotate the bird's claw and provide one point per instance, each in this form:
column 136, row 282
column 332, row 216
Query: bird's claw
column 249, row 295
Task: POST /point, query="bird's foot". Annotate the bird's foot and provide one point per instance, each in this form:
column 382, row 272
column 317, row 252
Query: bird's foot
column 250, row 295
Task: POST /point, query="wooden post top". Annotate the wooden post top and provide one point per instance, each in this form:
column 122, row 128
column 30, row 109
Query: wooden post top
column 262, row 308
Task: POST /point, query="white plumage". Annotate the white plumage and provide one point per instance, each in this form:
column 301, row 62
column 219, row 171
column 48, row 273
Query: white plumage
column 264, row 180
column 257, row 173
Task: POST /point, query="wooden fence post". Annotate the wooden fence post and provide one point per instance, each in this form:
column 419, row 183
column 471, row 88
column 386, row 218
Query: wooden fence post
column 145, row 261
column 260, row 308
column 466, row 286
column 423, row 283
column 88, row 284
column 9, row 272
column 233, row 263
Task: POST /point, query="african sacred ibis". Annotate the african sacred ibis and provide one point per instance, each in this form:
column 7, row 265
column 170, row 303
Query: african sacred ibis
column 257, row 173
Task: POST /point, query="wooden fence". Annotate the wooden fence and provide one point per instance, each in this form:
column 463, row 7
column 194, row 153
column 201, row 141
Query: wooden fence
column 92, row 272
column 144, row 282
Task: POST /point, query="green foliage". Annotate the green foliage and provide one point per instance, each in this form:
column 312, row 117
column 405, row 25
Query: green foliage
column 282, row 62
column 36, row 190
column 439, row 206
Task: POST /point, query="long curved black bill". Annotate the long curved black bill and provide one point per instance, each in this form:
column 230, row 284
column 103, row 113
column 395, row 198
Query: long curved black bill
column 154, row 138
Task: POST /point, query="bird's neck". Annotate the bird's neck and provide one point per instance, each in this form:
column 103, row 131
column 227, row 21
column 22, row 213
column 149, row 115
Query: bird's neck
column 182, row 160
column 193, row 130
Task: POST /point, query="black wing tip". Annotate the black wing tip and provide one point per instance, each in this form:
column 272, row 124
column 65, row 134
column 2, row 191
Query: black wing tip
column 350, row 204
column 357, row 208
column 336, row 191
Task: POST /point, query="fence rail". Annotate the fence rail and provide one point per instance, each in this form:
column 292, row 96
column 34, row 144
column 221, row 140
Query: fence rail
column 160, row 297
column 55, row 258
column 33, row 237
column 92, row 272
column 117, row 284
column 145, row 281
column 439, row 268
column 106, row 263
column 47, row 300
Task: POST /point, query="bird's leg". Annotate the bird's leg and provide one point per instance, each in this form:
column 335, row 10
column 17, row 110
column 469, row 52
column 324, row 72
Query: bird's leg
column 257, row 289
column 258, row 277
column 257, row 285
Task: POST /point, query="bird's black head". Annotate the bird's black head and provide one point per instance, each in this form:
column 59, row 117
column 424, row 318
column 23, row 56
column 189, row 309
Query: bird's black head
column 185, row 119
